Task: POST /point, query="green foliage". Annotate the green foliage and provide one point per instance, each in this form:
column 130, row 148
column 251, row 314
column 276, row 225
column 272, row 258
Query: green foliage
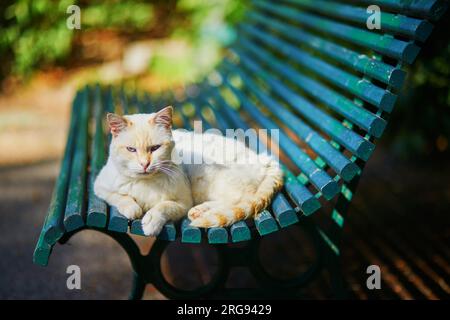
column 32, row 36
column 120, row 15
column 205, row 31
column 34, row 32
column 210, row 20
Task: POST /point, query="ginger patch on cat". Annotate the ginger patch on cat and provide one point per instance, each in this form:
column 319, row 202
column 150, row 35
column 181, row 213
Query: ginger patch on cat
column 222, row 219
column 239, row 213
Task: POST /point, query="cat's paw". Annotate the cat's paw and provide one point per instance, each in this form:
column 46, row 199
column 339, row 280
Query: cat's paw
column 131, row 210
column 152, row 223
column 199, row 210
column 210, row 214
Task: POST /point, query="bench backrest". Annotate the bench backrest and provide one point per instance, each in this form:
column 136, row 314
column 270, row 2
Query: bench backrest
column 316, row 71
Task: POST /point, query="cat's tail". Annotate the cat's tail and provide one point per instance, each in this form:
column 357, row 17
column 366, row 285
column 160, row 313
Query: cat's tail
column 221, row 215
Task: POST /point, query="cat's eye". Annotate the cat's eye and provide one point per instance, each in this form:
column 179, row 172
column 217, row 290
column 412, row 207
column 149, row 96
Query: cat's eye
column 154, row 148
column 131, row 149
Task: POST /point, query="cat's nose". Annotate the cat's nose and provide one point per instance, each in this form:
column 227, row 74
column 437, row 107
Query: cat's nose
column 145, row 165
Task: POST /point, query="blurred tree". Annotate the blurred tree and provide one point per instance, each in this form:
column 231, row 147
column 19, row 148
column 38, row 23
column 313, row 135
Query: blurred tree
column 34, row 32
column 32, row 36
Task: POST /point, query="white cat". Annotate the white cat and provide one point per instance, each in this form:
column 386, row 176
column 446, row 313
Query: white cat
column 143, row 176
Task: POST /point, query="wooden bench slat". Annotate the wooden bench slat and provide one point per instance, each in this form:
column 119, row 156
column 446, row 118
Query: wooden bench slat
column 133, row 103
column 123, row 100
column 320, row 179
column 240, row 232
column 368, row 66
column 363, row 89
column 351, row 140
column 345, row 136
column 306, row 202
column 73, row 217
column 97, row 208
column 217, row 235
column 205, row 123
column 283, row 211
column 265, row 223
column 365, row 119
column 117, row 222
column 341, row 164
column 190, row 234
column 42, row 251
column 230, row 113
column 148, row 103
column 235, row 118
column 430, row 9
column 167, row 233
column 384, row 44
column 53, row 228
column 399, row 24
column 185, row 120
column 141, row 108
column 222, row 123
column 136, row 227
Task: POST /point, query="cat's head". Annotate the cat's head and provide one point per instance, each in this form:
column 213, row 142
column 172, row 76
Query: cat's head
column 141, row 143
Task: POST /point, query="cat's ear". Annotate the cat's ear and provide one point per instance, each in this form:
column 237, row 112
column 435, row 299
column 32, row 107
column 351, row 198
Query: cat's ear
column 164, row 117
column 116, row 123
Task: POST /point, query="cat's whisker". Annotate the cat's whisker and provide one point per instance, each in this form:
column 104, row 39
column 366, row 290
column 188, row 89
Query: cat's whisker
column 165, row 167
column 170, row 174
column 177, row 169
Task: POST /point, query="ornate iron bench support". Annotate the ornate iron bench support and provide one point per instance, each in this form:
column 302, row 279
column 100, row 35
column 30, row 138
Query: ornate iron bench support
column 147, row 268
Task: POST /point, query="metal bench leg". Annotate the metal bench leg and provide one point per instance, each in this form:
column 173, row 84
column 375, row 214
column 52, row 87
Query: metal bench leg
column 137, row 291
column 338, row 285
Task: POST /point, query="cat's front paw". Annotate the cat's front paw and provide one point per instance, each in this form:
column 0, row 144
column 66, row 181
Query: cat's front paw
column 152, row 223
column 131, row 211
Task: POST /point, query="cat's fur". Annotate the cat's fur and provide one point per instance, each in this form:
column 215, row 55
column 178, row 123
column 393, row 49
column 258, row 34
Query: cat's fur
column 144, row 182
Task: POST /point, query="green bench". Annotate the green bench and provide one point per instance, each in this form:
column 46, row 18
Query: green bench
column 309, row 68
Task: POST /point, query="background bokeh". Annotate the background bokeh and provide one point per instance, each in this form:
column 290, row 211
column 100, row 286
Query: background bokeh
column 161, row 44
column 151, row 45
